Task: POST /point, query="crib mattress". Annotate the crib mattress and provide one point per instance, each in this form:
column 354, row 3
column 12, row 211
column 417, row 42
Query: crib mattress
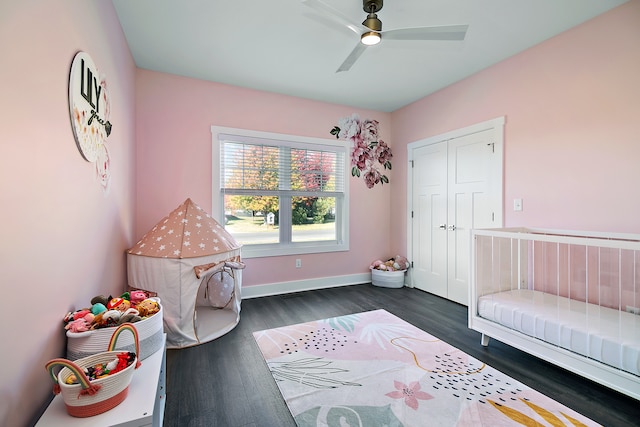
column 604, row 334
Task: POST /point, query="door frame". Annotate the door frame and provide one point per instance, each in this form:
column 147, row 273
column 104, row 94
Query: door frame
column 496, row 124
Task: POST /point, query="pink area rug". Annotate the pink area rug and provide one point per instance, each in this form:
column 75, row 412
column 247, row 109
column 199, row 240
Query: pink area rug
column 374, row 369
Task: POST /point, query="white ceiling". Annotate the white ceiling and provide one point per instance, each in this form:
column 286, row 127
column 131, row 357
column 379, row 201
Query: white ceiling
column 284, row 46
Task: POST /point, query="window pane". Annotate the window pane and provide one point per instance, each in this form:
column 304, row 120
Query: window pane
column 246, row 166
column 252, row 219
column 313, row 170
column 314, row 219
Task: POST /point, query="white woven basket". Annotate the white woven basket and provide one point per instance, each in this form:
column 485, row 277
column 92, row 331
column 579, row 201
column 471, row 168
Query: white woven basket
column 90, row 398
column 150, row 333
column 387, row 279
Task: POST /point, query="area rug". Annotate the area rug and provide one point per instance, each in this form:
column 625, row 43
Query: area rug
column 374, row 369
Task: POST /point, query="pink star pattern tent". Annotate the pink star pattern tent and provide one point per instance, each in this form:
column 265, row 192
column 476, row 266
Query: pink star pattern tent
column 194, row 266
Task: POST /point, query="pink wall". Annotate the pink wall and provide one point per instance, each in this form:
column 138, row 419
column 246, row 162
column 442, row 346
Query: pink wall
column 174, row 116
column 572, row 133
column 62, row 241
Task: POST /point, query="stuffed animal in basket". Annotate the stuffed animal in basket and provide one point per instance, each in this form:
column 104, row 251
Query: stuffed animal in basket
column 148, row 307
column 136, row 297
column 119, row 304
column 130, row 316
column 79, row 321
column 400, row 262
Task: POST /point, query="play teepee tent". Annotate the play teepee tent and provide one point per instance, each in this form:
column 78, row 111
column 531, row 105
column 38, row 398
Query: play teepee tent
column 194, row 266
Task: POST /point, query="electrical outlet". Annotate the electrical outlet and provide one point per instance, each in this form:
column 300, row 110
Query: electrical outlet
column 633, row 310
column 298, row 263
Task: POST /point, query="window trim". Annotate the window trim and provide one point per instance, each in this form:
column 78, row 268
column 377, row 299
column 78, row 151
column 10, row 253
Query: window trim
column 292, row 248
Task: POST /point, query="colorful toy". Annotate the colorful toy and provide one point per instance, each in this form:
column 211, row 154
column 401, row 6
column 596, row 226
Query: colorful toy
column 137, row 297
column 148, row 307
column 80, row 314
column 78, row 325
column 110, row 318
column 100, row 299
column 119, row 304
column 130, row 316
column 98, row 308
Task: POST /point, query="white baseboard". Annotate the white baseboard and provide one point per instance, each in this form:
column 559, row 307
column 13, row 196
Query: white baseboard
column 304, row 285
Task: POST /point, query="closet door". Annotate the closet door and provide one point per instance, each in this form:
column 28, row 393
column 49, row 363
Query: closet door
column 472, row 203
column 455, row 185
column 430, row 217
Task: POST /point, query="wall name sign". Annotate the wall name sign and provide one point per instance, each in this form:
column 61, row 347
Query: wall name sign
column 89, row 110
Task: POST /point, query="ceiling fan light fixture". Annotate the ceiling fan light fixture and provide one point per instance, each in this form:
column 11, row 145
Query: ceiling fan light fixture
column 370, row 38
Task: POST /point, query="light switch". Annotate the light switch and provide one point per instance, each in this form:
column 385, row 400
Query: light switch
column 517, row 204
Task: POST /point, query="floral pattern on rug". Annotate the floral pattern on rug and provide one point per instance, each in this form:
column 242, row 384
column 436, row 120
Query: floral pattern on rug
column 375, row 369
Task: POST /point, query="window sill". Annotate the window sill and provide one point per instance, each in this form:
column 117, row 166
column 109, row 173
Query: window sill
column 263, row 251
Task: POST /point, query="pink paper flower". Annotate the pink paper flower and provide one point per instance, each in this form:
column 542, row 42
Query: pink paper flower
column 410, row 393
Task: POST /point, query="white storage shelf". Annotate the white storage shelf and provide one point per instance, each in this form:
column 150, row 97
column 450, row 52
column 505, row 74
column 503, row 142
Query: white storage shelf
column 144, row 405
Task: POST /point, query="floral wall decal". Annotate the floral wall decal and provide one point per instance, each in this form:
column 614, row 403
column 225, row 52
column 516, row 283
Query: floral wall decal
column 369, row 155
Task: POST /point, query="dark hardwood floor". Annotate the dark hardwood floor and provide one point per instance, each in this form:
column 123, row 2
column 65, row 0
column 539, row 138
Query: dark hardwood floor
column 226, row 382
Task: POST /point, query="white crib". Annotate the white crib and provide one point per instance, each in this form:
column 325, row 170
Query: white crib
column 571, row 298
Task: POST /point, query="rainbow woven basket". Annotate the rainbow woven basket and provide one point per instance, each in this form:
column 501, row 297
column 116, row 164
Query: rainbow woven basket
column 90, row 398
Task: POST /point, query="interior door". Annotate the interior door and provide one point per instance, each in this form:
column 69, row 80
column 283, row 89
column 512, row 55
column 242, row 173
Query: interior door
column 455, row 186
column 472, row 203
column 430, row 218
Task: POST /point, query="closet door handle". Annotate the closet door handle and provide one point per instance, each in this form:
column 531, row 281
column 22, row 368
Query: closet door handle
column 442, row 226
column 452, row 227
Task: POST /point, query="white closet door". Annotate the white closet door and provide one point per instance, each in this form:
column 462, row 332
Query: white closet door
column 471, row 203
column 430, row 218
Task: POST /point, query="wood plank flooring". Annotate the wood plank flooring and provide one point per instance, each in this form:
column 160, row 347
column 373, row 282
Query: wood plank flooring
column 227, row 383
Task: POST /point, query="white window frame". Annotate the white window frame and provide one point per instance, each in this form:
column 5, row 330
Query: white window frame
column 283, row 248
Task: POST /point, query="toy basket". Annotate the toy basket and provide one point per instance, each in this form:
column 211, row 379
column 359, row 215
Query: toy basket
column 91, row 398
column 387, row 279
column 150, row 333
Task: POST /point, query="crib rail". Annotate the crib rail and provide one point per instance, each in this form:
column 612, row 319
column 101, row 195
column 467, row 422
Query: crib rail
column 598, row 268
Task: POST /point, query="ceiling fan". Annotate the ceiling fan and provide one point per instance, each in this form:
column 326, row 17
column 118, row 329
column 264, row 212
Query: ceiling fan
column 370, row 31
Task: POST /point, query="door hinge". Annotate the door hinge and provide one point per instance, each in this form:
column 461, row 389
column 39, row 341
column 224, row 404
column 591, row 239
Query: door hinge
column 411, row 214
column 411, row 264
column 493, row 146
column 411, row 163
column 493, row 216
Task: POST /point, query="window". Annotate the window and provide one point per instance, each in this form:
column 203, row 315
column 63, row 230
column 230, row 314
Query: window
column 280, row 194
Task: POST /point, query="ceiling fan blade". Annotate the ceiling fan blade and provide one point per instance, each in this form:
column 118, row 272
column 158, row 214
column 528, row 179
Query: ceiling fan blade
column 447, row 32
column 332, row 14
column 352, row 58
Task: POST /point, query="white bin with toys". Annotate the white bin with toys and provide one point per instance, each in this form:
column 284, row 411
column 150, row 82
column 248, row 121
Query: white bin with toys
column 389, row 273
column 89, row 329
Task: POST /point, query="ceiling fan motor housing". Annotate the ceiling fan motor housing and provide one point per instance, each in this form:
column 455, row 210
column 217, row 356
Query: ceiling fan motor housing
column 368, row 5
column 372, row 22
